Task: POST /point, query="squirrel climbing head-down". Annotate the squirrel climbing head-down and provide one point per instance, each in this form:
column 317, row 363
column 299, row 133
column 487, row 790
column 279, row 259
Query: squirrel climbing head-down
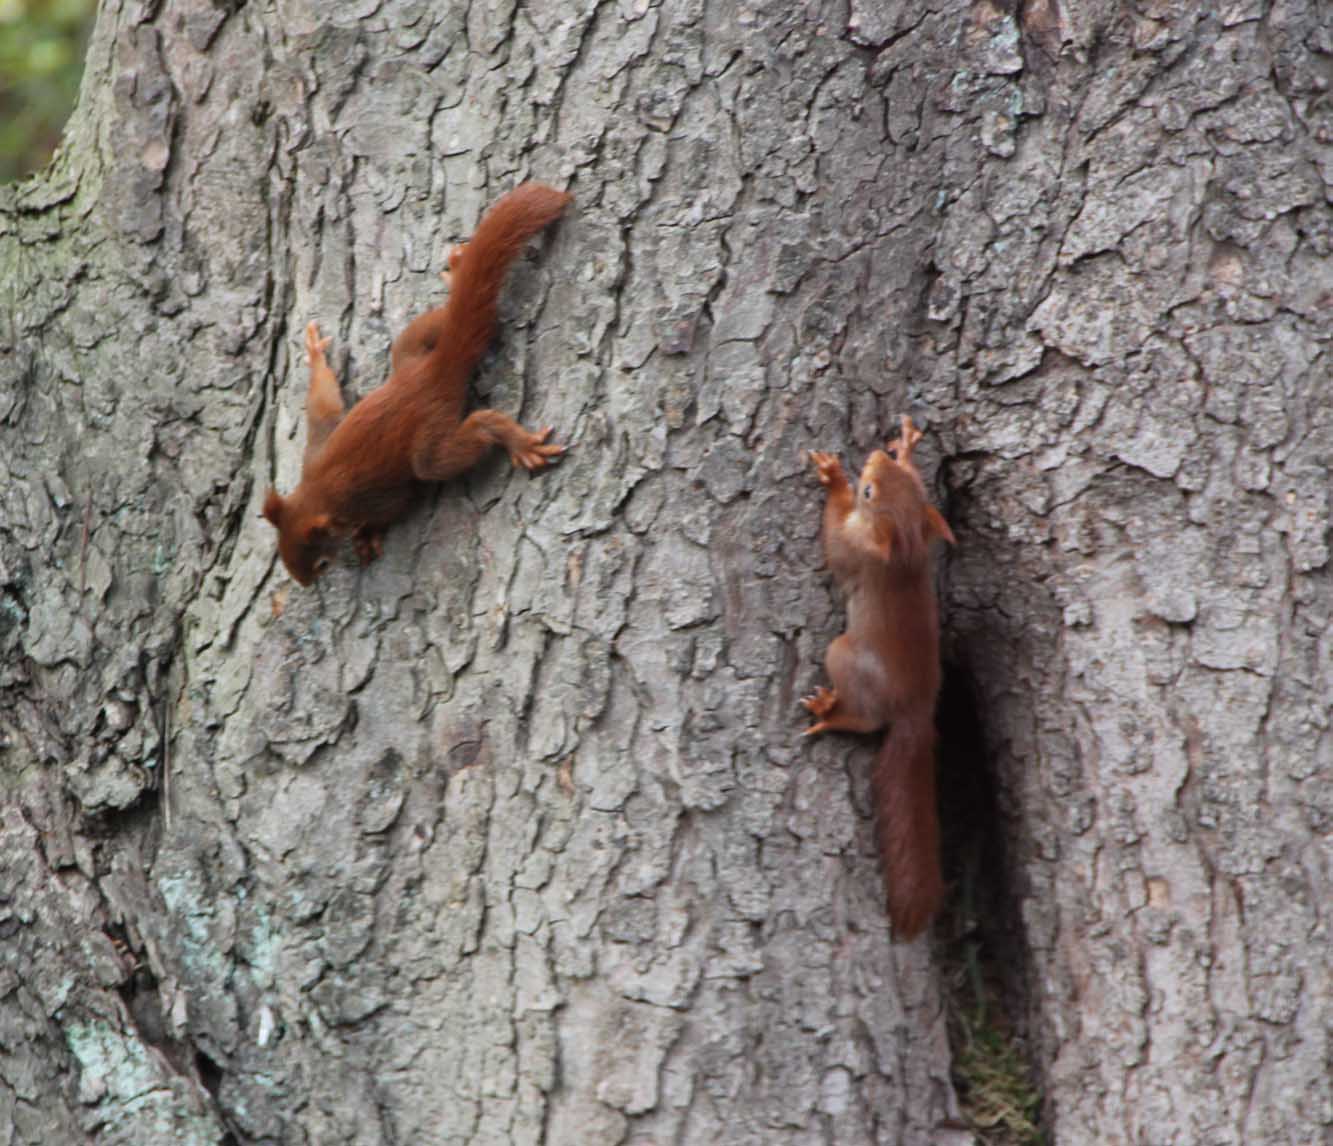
column 362, row 470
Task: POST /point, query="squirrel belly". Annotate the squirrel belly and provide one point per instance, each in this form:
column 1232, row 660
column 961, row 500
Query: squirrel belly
column 363, row 469
column 885, row 668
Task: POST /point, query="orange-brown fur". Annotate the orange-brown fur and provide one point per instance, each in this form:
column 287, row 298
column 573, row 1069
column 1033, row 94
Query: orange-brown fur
column 886, row 667
column 362, row 471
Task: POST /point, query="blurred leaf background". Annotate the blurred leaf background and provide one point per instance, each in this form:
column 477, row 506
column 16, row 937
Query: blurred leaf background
column 41, row 61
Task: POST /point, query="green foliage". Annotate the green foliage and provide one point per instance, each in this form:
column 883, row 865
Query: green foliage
column 41, row 61
column 992, row 1081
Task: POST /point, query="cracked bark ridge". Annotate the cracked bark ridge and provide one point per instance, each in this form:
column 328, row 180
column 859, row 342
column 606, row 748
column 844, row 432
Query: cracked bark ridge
column 511, row 837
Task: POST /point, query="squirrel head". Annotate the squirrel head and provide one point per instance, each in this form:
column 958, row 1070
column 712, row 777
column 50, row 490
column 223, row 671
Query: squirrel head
column 305, row 540
column 892, row 498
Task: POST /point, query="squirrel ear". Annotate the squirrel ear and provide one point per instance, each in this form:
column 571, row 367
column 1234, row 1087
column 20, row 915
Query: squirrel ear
column 273, row 506
column 318, row 527
column 937, row 526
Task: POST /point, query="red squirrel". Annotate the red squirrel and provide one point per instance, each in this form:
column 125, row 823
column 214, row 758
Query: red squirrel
column 886, row 667
column 362, row 472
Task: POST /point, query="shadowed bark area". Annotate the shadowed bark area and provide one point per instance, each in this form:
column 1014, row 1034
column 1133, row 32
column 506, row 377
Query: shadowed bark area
column 511, row 836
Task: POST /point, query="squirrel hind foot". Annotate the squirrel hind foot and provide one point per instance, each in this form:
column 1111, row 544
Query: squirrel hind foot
column 820, row 702
column 536, row 453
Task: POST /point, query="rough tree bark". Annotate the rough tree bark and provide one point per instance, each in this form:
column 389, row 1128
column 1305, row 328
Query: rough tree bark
column 510, row 837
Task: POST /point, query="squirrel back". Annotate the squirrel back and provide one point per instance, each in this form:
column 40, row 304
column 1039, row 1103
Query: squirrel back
column 903, row 782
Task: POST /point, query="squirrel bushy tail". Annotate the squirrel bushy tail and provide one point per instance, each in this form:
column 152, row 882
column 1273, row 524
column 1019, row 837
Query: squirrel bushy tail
column 907, row 824
column 478, row 274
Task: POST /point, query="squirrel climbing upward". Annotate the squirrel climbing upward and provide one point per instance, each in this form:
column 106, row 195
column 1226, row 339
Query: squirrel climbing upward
column 361, row 472
column 886, row 667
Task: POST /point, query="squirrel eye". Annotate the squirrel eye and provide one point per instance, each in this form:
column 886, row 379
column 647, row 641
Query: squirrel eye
column 321, row 563
column 867, row 491
column 893, row 453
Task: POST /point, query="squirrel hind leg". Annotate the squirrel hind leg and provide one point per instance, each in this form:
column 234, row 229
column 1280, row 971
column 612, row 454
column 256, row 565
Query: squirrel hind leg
column 843, row 721
column 456, row 451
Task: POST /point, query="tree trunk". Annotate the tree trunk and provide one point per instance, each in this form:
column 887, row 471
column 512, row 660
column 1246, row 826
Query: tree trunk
column 1132, row 350
column 511, row 837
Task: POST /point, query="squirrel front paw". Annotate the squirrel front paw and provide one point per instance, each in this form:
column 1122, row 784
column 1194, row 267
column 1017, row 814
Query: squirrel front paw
column 900, row 448
column 827, row 467
column 314, row 344
column 368, row 543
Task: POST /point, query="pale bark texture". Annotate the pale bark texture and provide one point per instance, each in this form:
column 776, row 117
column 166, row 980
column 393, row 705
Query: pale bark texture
column 510, row 837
